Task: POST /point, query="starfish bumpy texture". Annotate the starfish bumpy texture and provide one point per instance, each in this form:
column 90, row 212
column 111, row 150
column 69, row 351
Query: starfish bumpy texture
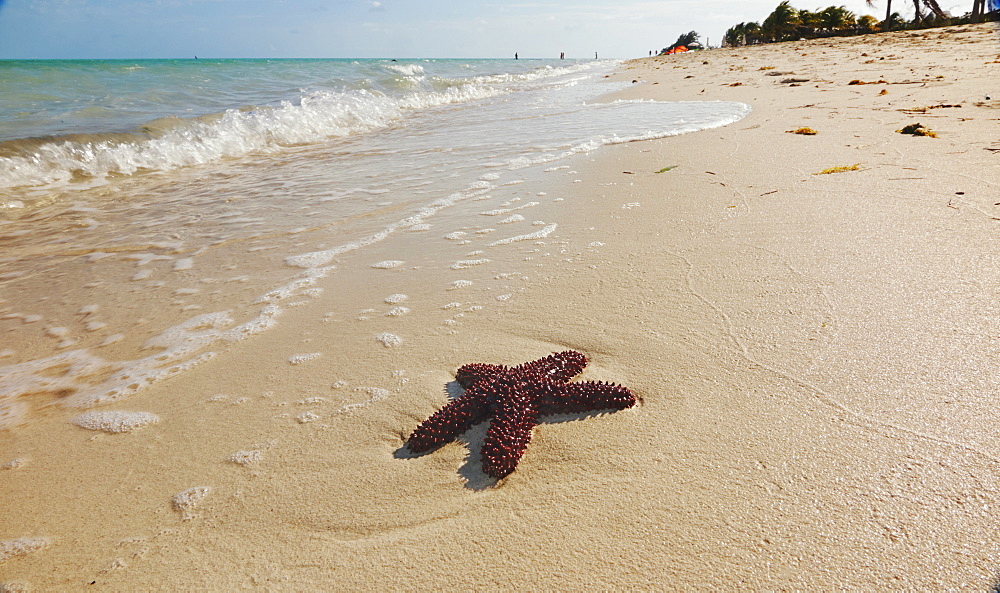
column 515, row 397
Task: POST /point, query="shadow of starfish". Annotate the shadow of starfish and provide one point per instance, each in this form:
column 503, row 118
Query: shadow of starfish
column 514, row 398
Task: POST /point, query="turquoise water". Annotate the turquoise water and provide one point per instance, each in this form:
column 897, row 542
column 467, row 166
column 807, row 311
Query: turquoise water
column 58, row 97
column 74, row 123
column 153, row 211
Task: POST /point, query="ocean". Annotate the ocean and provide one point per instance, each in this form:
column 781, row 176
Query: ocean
column 153, row 211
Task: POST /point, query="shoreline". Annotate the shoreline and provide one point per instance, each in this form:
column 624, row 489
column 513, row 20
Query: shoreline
column 813, row 354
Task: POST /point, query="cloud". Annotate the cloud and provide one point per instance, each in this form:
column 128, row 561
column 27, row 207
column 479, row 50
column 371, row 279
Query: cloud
column 376, row 6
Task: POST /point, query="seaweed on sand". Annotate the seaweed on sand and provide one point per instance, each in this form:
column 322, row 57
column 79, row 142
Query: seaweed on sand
column 917, row 130
column 842, row 169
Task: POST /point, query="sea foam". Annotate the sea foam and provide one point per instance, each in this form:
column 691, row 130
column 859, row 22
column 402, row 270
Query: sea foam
column 22, row 546
column 116, row 421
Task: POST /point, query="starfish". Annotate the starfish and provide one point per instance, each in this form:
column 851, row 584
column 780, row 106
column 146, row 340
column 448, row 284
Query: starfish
column 515, row 397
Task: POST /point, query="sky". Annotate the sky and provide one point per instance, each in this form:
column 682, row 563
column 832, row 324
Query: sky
column 134, row 29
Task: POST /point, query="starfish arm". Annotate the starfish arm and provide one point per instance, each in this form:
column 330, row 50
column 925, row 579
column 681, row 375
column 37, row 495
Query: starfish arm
column 586, row 396
column 561, row 366
column 450, row 421
column 509, row 433
column 477, row 371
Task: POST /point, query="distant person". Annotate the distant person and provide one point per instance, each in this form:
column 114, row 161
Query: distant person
column 515, row 55
column 650, row 52
column 595, row 55
column 562, row 55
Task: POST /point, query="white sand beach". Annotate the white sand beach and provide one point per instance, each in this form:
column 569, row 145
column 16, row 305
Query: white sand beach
column 814, row 353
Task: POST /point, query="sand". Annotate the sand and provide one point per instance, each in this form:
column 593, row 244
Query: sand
column 815, row 356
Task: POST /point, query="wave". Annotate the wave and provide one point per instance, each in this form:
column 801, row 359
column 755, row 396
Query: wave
column 73, row 161
column 405, row 69
column 173, row 142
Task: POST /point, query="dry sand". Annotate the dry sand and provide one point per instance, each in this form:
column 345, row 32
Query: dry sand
column 816, row 357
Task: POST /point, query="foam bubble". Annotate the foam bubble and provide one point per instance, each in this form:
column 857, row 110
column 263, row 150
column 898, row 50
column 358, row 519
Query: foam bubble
column 499, row 211
column 22, row 546
column 389, row 340
column 545, row 232
column 185, row 502
column 306, row 417
column 388, row 264
column 455, row 236
column 375, row 394
column 397, row 311
column 468, row 263
column 512, row 218
column 396, row 298
column 251, row 457
column 300, row 358
column 460, row 284
column 14, row 463
column 310, row 260
column 115, row 421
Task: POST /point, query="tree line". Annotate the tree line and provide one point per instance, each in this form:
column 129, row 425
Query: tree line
column 786, row 23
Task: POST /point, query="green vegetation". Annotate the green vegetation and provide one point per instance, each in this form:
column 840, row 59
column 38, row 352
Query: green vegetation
column 665, row 169
column 689, row 40
column 786, row 23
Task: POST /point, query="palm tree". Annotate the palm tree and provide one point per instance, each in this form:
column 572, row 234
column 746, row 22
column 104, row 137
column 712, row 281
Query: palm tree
column 936, row 9
column 686, row 39
column 782, row 23
column 977, row 9
column 931, row 5
column 868, row 24
column 888, row 8
column 811, row 22
column 835, row 18
column 735, row 36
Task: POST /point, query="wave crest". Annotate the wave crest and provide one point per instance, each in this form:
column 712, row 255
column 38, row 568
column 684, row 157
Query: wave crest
column 171, row 143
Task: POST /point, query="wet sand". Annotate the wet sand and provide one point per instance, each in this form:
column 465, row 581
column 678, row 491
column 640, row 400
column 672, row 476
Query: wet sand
column 814, row 356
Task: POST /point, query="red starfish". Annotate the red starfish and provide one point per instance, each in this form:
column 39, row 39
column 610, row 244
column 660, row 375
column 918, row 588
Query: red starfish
column 515, row 397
